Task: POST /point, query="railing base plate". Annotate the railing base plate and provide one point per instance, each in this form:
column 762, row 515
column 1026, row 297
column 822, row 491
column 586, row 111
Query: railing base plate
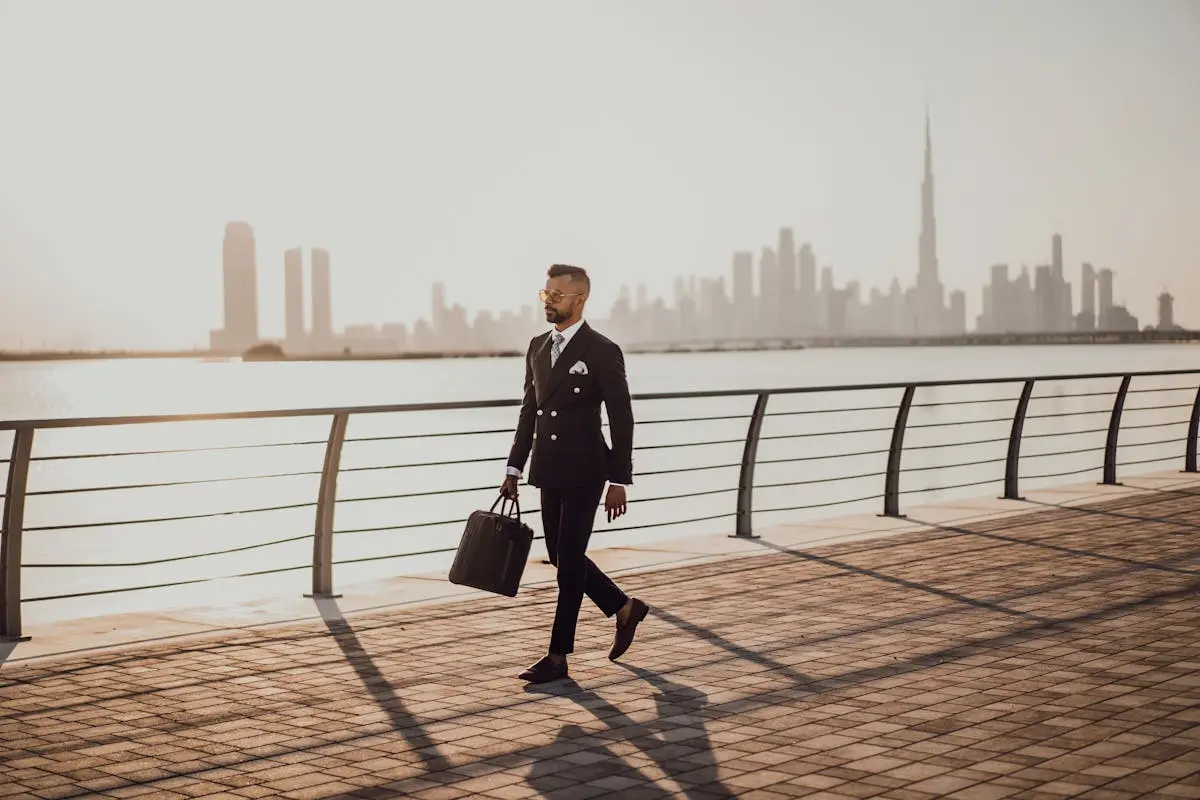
column 15, row 638
column 893, row 516
column 743, row 536
column 322, row 596
column 1002, row 497
column 1114, row 483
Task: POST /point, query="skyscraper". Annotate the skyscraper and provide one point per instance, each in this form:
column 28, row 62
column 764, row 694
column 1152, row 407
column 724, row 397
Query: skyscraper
column 1060, row 290
column 1166, row 312
column 322, row 298
column 997, row 304
column 743, row 294
column 1047, row 299
column 786, row 318
column 807, row 289
column 240, row 275
column 1104, row 321
column 1086, row 321
column 931, row 310
column 293, row 295
column 768, row 293
column 957, row 321
column 824, row 299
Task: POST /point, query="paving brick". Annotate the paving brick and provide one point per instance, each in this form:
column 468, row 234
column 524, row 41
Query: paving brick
column 1052, row 654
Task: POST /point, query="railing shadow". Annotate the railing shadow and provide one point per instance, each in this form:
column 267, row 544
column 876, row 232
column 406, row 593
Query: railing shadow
column 1074, row 551
column 734, row 649
column 377, row 685
column 1175, row 493
column 784, row 642
column 956, row 650
column 955, row 597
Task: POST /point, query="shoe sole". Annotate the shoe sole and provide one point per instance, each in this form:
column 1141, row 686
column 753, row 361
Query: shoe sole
column 529, row 678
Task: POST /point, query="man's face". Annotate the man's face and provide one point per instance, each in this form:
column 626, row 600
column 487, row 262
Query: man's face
column 562, row 298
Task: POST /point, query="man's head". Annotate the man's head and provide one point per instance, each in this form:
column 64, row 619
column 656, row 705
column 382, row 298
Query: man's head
column 566, row 292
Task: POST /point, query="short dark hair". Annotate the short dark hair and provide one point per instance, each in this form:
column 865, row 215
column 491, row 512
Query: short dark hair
column 575, row 274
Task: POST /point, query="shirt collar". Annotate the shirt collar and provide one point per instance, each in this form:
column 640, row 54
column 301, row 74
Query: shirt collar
column 567, row 333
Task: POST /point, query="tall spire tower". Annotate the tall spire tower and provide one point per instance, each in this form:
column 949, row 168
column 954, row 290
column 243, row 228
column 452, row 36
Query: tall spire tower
column 930, row 302
column 928, row 264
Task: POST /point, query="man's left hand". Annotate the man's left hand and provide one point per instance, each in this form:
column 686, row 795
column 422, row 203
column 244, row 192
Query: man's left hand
column 614, row 501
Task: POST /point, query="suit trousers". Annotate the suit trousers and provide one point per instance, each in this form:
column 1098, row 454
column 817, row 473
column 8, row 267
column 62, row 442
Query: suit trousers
column 567, row 519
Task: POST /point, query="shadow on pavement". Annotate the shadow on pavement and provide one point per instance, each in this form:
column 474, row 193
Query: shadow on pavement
column 377, row 685
column 676, row 741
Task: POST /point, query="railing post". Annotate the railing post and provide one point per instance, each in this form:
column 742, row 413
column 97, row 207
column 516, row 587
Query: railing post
column 1114, row 432
column 322, row 565
column 891, row 491
column 1189, row 452
column 10, row 537
column 1012, row 464
column 745, row 496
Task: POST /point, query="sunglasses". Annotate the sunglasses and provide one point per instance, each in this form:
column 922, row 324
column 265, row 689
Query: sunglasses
column 554, row 295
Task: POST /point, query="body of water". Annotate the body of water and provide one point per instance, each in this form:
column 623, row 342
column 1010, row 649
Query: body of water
column 821, row 454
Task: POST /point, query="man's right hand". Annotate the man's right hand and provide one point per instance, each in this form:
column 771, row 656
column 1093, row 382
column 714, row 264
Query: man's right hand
column 509, row 487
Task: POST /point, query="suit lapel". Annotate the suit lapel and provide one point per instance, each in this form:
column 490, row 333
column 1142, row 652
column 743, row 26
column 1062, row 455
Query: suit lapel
column 570, row 354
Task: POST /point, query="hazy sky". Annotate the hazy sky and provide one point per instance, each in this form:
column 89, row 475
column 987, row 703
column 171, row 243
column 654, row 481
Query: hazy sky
column 480, row 141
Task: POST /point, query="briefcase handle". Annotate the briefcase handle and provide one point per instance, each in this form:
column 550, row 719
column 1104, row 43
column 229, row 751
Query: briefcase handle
column 505, row 509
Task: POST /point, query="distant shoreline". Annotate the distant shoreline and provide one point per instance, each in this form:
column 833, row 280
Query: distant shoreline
column 698, row 346
column 89, row 355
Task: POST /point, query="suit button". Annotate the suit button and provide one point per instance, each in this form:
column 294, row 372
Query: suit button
column 539, row 412
column 553, row 437
column 554, row 413
column 535, row 436
column 576, row 390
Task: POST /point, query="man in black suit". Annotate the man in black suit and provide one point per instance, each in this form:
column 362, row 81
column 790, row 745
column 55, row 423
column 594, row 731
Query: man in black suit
column 569, row 371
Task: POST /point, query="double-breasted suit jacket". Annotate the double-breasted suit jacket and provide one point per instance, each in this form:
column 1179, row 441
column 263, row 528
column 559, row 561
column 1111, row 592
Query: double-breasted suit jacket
column 560, row 414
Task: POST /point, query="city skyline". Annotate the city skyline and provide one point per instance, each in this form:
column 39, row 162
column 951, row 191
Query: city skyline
column 701, row 311
column 785, row 302
column 719, row 123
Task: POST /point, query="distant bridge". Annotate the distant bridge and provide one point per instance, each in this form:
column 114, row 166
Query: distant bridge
column 959, row 340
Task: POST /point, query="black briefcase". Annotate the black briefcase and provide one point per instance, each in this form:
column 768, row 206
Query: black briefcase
column 493, row 550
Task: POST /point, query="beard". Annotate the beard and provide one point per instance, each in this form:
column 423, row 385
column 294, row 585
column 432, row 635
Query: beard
column 555, row 316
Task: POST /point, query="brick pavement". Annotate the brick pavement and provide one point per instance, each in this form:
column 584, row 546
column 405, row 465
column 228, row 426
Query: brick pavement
column 1048, row 655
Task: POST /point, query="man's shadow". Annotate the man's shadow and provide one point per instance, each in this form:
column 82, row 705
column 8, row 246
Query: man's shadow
column 679, row 722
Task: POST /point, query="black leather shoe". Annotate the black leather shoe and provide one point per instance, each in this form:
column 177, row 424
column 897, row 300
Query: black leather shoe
column 545, row 671
column 637, row 612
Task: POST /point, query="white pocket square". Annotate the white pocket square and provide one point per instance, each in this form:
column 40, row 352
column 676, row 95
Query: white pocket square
column 578, row 368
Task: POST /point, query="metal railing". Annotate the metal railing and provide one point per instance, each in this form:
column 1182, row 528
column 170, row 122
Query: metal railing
column 322, row 563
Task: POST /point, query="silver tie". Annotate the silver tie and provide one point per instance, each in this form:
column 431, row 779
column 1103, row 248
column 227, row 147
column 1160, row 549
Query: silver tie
column 555, row 348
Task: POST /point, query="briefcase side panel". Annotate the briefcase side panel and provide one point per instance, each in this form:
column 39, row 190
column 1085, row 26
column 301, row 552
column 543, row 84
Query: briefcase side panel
column 520, row 538
column 472, row 553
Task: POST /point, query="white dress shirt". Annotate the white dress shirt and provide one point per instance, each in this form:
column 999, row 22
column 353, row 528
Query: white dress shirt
column 569, row 332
